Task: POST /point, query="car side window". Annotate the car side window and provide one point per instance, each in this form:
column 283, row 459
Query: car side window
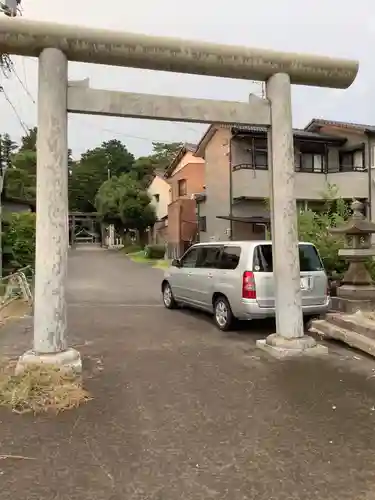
column 190, row 258
column 230, row 258
column 209, row 257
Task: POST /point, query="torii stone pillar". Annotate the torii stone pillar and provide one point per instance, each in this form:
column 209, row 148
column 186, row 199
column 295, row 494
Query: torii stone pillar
column 52, row 223
column 289, row 338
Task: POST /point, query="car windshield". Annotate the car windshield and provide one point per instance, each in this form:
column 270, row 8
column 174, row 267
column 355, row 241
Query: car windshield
column 309, row 259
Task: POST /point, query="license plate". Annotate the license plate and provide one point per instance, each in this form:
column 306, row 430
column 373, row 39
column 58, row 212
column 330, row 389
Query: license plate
column 306, row 283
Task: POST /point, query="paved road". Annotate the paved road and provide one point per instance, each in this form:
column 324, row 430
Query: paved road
column 184, row 412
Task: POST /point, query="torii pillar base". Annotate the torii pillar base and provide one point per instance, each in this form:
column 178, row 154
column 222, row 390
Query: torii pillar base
column 69, row 360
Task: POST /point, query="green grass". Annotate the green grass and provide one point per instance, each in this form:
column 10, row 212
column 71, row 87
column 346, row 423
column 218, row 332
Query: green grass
column 130, row 249
column 161, row 264
column 140, row 258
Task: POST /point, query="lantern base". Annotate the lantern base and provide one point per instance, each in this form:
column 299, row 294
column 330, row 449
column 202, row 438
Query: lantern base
column 354, row 291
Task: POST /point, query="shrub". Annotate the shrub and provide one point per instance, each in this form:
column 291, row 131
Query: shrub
column 132, row 248
column 316, row 228
column 154, row 251
column 18, row 241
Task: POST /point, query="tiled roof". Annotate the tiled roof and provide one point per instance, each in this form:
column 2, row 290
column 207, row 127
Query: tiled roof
column 302, row 133
column 315, row 124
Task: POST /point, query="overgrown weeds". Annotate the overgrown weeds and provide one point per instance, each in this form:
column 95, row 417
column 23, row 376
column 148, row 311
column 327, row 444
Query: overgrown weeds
column 41, row 388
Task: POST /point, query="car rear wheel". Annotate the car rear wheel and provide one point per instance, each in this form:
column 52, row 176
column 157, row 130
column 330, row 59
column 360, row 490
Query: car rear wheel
column 168, row 298
column 223, row 315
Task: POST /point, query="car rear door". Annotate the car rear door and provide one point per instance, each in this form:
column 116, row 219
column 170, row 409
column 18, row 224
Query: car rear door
column 313, row 277
column 262, row 268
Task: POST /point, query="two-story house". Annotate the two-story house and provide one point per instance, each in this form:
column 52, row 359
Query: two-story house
column 237, row 177
column 185, row 176
column 159, row 192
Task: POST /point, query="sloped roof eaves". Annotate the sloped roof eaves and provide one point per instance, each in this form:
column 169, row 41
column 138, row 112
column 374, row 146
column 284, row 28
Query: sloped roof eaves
column 188, row 147
column 299, row 133
column 316, row 124
column 207, row 136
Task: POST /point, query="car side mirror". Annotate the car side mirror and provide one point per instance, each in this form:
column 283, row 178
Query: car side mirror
column 176, row 263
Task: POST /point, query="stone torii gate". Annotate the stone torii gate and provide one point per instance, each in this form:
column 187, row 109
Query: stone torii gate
column 56, row 44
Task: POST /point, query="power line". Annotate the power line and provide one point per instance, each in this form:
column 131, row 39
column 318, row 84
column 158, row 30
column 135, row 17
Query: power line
column 25, row 128
column 116, row 132
column 24, row 85
column 148, row 139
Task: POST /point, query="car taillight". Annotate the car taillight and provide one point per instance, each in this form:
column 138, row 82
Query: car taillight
column 248, row 286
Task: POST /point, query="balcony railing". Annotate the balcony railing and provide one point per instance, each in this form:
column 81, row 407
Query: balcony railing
column 347, row 168
column 248, row 166
column 302, row 169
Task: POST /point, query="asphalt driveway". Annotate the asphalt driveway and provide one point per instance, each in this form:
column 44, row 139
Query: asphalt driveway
column 183, row 411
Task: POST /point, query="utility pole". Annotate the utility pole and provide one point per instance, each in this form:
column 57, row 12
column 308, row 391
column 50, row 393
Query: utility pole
column 10, row 8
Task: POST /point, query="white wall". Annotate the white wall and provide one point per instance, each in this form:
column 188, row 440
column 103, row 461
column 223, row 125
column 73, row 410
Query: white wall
column 160, row 186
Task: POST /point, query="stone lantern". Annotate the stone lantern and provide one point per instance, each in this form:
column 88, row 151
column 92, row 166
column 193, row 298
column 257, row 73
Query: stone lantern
column 357, row 284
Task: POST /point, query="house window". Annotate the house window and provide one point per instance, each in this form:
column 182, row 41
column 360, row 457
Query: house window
column 311, row 162
column 259, row 154
column 182, row 187
column 157, row 197
column 352, row 161
column 202, row 224
column 256, row 156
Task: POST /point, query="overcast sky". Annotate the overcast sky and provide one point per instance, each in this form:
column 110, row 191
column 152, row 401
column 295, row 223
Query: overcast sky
column 328, row 27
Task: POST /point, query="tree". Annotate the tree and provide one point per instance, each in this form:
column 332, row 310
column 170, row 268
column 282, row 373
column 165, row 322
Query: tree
column 18, row 241
column 316, row 226
column 20, row 177
column 7, row 148
column 111, row 156
column 163, row 153
column 123, row 202
column 95, row 166
column 144, row 169
column 28, row 141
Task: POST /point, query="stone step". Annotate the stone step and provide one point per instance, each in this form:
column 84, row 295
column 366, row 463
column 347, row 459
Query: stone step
column 354, row 322
column 328, row 330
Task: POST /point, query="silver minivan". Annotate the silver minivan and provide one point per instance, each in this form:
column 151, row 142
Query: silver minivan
column 234, row 280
